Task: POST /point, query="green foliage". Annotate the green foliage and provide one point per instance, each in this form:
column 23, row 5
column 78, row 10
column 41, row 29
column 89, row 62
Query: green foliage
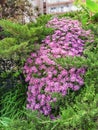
column 18, row 30
column 82, row 15
column 21, row 38
column 13, row 101
column 43, row 20
column 19, row 41
column 95, row 17
column 93, row 6
column 90, row 54
column 10, row 48
column 78, row 110
column 80, row 113
column 89, row 4
column 90, row 61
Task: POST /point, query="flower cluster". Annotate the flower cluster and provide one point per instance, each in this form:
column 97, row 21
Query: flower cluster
column 44, row 75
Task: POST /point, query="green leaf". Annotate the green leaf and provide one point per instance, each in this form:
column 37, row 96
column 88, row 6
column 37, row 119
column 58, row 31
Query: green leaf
column 93, row 6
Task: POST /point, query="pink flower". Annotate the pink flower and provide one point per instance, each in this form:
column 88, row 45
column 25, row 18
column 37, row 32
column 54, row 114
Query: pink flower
column 33, row 69
column 33, row 55
column 44, row 75
column 38, row 61
column 29, row 60
column 28, row 78
column 37, row 106
column 76, row 87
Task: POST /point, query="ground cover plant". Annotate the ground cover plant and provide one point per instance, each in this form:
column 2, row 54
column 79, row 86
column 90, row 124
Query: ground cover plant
column 44, row 75
column 77, row 110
